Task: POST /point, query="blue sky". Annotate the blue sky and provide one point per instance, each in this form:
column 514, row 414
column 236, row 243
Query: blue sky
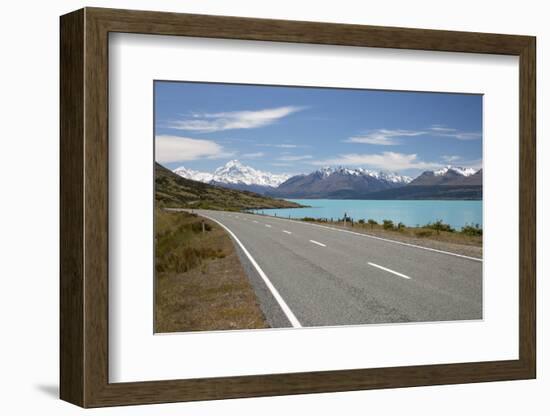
column 297, row 130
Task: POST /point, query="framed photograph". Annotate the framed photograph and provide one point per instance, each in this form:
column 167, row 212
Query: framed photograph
column 255, row 207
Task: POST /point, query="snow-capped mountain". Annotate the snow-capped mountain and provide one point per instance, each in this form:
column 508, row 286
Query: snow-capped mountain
column 456, row 169
column 343, row 183
column 449, row 175
column 237, row 176
column 193, row 174
column 235, row 172
column 383, row 176
column 339, row 182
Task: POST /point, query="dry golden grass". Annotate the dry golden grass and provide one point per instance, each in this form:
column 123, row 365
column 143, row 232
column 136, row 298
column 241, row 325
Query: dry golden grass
column 455, row 242
column 200, row 283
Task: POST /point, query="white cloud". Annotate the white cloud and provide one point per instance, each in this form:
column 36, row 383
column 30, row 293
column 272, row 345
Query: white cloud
column 281, row 145
column 389, row 137
column 441, row 128
column 384, row 161
column 286, row 146
column 450, row 158
column 294, row 158
column 231, row 120
column 383, row 137
column 175, row 148
column 252, row 155
column 442, row 131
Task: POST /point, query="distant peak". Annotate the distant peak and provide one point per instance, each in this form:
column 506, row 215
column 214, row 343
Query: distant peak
column 233, row 162
column 456, row 169
column 327, row 171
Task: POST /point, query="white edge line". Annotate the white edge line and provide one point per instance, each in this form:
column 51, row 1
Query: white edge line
column 318, row 243
column 389, row 270
column 289, row 314
column 384, row 239
column 287, row 232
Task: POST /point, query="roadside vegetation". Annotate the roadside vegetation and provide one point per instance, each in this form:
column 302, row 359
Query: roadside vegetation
column 200, row 283
column 467, row 240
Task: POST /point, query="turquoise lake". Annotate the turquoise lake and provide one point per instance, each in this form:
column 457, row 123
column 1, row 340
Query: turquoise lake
column 410, row 213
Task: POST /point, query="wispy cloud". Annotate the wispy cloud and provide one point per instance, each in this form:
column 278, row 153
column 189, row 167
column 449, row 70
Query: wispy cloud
column 450, row 158
column 175, row 148
column 294, row 158
column 390, row 137
column 441, row 128
column 281, row 145
column 383, row 137
column 231, row 120
column 252, row 155
column 459, row 160
column 443, row 131
column 286, row 146
column 384, row 161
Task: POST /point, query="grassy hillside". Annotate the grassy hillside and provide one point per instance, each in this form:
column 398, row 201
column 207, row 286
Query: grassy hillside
column 174, row 191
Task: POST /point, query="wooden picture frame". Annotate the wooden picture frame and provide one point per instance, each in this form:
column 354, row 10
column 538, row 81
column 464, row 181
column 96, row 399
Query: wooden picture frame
column 84, row 207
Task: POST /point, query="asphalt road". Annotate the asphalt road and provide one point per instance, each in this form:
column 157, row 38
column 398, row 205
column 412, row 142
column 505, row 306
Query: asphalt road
column 308, row 275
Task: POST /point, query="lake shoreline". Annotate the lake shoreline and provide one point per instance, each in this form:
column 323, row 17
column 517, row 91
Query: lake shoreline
column 412, row 213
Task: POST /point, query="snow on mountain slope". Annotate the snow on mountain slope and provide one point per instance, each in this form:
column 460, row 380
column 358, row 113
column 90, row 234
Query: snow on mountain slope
column 456, row 169
column 383, row 176
column 193, row 174
column 235, row 173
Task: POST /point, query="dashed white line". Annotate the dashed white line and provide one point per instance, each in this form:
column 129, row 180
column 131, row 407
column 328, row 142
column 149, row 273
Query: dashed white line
column 289, row 314
column 383, row 239
column 286, row 232
column 254, row 221
column 389, row 270
column 318, row 243
column 268, row 226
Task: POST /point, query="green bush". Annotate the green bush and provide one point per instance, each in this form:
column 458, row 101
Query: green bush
column 372, row 223
column 387, row 224
column 439, row 226
column 472, row 229
column 423, row 233
column 361, row 221
column 400, row 226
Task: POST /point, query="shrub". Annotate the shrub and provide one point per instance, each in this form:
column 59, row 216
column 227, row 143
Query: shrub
column 372, row 223
column 423, row 233
column 400, row 226
column 472, row 229
column 361, row 221
column 387, row 224
column 439, row 226
column 196, row 227
column 308, row 219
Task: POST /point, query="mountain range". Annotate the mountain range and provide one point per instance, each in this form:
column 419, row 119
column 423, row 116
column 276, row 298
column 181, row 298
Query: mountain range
column 172, row 190
column 450, row 182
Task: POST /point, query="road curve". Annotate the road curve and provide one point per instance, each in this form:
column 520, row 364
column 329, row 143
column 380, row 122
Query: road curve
column 327, row 276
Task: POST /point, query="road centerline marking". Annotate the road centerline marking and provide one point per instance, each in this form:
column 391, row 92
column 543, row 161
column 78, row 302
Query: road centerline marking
column 268, row 226
column 283, row 305
column 318, row 243
column 389, row 270
column 286, row 232
column 365, row 235
column 254, row 221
